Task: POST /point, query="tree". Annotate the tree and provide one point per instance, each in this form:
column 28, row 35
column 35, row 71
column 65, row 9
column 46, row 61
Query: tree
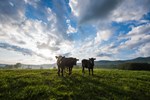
column 17, row 65
column 9, row 66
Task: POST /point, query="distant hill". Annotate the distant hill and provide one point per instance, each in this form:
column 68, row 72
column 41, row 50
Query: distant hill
column 113, row 64
column 2, row 65
column 42, row 66
column 29, row 66
column 140, row 60
column 99, row 64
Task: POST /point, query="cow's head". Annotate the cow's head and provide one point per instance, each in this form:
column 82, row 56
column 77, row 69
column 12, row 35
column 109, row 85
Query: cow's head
column 59, row 58
column 92, row 60
column 75, row 61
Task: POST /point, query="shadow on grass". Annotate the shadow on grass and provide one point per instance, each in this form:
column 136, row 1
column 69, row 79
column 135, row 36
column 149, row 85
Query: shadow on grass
column 92, row 88
column 48, row 85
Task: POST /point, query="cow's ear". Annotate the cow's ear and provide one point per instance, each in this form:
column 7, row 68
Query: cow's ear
column 94, row 58
column 77, row 59
column 56, row 57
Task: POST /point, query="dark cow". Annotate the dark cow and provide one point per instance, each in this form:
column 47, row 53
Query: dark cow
column 63, row 63
column 88, row 64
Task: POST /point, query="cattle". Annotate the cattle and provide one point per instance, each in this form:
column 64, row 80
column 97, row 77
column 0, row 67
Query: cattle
column 88, row 64
column 63, row 62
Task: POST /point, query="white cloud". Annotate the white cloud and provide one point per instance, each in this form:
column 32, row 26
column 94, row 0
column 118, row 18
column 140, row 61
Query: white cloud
column 12, row 11
column 136, row 37
column 32, row 2
column 44, row 40
column 130, row 10
column 103, row 35
column 74, row 7
column 115, row 10
column 71, row 30
column 96, row 9
column 143, row 50
column 135, row 43
column 125, row 11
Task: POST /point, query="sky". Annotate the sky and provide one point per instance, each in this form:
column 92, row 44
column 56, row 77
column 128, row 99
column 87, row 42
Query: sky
column 35, row 31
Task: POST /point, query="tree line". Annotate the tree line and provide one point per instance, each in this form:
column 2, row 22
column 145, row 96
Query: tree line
column 15, row 66
column 135, row 66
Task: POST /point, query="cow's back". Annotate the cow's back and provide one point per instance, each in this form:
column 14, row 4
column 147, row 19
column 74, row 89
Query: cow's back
column 85, row 63
column 67, row 62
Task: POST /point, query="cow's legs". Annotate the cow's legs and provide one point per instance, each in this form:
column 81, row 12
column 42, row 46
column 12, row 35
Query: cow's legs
column 58, row 71
column 62, row 71
column 89, row 71
column 69, row 70
column 82, row 70
column 92, row 71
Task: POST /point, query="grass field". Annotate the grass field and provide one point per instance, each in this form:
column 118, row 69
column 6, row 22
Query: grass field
column 46, row 85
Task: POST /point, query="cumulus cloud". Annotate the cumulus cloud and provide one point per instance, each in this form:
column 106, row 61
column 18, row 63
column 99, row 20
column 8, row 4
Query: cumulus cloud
column 96, row 9
column 16, row 48
column 34, row 3
column 47, row 46
column 143, row 50
column 47, row 31
column 36, row 36
column 70, row 28
column 104, row 55
column 105, row 43
column 74, row 7
column 61, row 12
column 133, row 44
column 11, row 11
column 43, row 39
column 109, row 10
column 103, row 35
column 130, row 10
column 24, row 51
column 101, row 14
column 136, row 37
column 39, row 11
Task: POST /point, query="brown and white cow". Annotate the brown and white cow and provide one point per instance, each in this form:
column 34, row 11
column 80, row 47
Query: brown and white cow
column 63, row 62
column 88, row 64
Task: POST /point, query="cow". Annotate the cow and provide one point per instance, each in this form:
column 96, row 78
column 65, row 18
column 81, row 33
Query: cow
column 88, row 64
column 63, row 62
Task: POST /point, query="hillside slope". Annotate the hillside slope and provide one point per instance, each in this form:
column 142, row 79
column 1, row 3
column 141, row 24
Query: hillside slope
column 111, row 64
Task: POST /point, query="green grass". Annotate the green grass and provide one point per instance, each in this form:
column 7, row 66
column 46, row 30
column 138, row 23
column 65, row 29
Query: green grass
column 47, row 85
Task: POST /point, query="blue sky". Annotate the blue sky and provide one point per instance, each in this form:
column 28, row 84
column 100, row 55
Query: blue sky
column 35, row 31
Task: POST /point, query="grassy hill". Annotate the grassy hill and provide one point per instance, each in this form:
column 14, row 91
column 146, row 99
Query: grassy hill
column 115, row 64
column 46, row 85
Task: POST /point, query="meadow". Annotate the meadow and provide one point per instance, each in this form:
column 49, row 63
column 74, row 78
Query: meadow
column 106, row 84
